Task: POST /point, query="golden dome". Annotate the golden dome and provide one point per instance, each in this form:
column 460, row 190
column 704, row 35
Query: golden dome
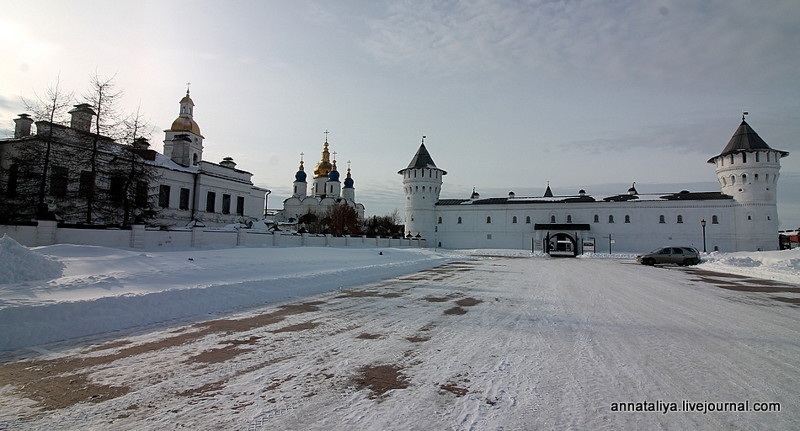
column 185, row 124
column 324, row 167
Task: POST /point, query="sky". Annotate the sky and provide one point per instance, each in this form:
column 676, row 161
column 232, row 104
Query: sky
column 510, row 95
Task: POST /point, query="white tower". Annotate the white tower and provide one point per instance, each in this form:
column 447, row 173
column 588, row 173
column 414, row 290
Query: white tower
column 748, row 170
column 186, row 152
column 333, row 187
column 349, row 190
column 300, row 189
column 422, row 182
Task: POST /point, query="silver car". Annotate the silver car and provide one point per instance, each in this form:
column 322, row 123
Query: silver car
column 676, row 255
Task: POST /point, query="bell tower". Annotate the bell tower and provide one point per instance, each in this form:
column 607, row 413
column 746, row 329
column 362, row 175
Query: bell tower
column 183, row 142
column 422, row 183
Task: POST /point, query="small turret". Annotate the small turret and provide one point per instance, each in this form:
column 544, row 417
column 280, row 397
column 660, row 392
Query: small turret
column 22, row 126
column 300, row 184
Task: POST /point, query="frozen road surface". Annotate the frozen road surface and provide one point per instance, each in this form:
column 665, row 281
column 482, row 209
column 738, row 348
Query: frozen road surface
column 490, row 344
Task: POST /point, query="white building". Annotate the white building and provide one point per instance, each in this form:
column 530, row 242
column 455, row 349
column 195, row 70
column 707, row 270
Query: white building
column 184, row 189
column 742, row 216
column 326, row 190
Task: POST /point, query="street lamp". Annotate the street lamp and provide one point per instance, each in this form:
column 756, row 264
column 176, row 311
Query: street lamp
column 703, row 225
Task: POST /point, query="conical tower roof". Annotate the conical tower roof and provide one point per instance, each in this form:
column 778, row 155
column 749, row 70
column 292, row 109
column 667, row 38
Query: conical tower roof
column 422, row 159
column 745, row 139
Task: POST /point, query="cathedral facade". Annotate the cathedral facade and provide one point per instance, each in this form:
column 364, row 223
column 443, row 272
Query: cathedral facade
column 326, row 190
column 742, row 216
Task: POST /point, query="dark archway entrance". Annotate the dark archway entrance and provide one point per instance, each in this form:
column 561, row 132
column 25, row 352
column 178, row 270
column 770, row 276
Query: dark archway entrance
column 560, row 244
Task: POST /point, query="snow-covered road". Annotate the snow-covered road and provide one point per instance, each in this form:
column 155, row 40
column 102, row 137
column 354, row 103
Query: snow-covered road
column 500, row 343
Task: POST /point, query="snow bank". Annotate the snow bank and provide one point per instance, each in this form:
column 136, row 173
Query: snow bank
column 783, row 265
column 19, row 263
column 104, row 289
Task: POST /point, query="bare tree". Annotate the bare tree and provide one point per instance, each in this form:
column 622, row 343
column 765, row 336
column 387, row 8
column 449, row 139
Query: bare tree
column 50, row 107
column 103, row 97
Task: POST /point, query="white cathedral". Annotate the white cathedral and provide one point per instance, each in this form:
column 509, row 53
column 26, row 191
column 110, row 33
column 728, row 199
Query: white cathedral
column 742, row 216
column 326, row 190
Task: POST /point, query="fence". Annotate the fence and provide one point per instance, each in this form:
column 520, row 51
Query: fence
column 138, row 236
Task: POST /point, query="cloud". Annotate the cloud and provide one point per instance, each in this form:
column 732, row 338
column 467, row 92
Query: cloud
column 718, row 42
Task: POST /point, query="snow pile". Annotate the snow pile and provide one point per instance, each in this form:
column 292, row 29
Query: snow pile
column 783, row 265
column 105, row 289
column 19, row 264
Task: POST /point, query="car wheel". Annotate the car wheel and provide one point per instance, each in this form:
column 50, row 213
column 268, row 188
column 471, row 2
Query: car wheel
column 687, row 262
column 649, row 261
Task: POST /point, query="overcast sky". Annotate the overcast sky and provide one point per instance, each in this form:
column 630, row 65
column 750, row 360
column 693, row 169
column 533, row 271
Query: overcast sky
column 510, row 94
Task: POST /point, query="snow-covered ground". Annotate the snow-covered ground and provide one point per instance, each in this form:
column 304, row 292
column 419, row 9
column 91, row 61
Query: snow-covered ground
column 392, row 339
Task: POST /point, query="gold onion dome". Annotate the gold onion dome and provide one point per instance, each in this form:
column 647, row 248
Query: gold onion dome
column 324, row 167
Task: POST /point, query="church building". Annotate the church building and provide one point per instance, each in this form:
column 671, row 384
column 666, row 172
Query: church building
column 182, row 187
column 326, row 190
column 742, row 216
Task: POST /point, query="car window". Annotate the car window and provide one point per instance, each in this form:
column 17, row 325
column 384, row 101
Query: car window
column 677, row 251
column 664, row 251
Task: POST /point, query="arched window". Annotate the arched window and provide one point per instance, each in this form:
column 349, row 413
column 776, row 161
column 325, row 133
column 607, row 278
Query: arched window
column 514, row 219
column 680, row 218
column 528, row 219
column 488, row 219
column 731, row 158
column 755, row 177
column 440, row 220
column 569, row 218
column 662, row 219
column 757, row 156
column 459, row 220
column 627, row 218
column 724, row 182
column 715, row 219
column 611, row 219
column 596, row 218
column 744, row 157
column 733, row 180
column 744, row 178
column 552, row 219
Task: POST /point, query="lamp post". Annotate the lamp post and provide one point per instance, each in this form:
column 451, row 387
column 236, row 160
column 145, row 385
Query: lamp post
column 703, row 225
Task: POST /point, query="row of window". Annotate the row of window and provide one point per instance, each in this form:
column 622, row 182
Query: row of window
column 58, row 186
column 417, row 189
column 724, row 180
column 732, row 158
column 432, row 173
column 661, row 219
column 164, row 192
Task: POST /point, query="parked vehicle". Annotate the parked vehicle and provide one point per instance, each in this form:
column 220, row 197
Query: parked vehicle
column 676, row 255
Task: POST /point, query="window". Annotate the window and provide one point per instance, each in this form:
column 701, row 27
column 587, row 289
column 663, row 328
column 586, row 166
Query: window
column 514, row 219
column 627, row 218
column 528, row 219
column 662, row 219
column 488, row 236
column 731, row 158
column 596, row 218
column 744, row 157
column 13, row 177
column 142, row 189
column 569, row 218
column 184, row 203
column 488, row 219
column 439, row 221
column 195, row 159
column 744, row 178
column 611, row 219
column 757, row 156
column 211, row 198
column 58, row 181
column 714, row 219
column 459, row 220
column 552, row 219
column 240, row 205
column 226, row 204
column 163, row 196
column 680, row 218
column 733, row 180
column 86, row 185
column 116, row 189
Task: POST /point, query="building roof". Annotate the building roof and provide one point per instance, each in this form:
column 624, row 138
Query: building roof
column 422, row 159
column 745, row 139
column 683, row 195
